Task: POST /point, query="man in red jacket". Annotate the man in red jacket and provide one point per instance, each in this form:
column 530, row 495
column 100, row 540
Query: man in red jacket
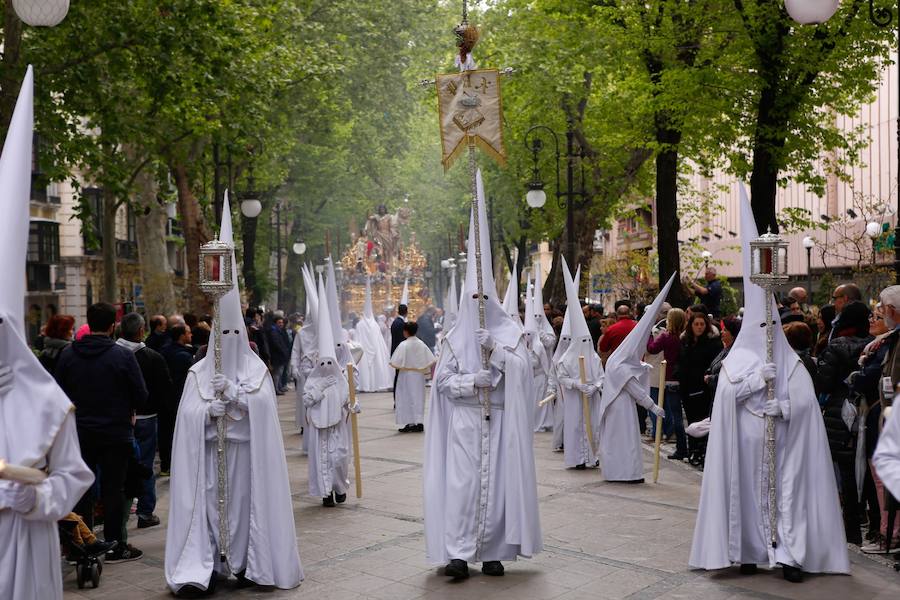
column 616, row 333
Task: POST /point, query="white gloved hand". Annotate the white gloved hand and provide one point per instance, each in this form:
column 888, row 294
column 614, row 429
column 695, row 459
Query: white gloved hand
column 16, row 496
column 656, row 410
column 771, row 408
column 647, row 367
column 483, row 379
column 356, row 408
column 484, row 338
column 587, row 389
column 217, row 408
column 768, row 372
column 6, row 379
column 329, row 381
column 225, row 387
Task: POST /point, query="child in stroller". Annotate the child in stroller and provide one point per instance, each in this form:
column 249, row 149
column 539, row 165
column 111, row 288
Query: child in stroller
column 83, row 549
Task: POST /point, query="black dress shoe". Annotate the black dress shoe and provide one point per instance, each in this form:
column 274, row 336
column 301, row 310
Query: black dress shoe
column 676, row 456
column 641, row 480
column 243, row 582
column 406, row 429
column 328, row 500
column 420, row 427
column 792, row 574
column 580, row 467
column 457, row 569
column 493, row 568
column 340, row 498
column 749, row 569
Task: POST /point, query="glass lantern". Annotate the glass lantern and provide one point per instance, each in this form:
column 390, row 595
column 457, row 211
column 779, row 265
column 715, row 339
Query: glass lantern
column 768, row 261
column 215, row 276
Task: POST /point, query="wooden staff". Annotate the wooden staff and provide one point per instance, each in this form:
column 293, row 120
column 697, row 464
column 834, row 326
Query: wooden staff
column 354, row 426
column 659, row 420
column 549, row 398
column 20, row 474
column 586, row 407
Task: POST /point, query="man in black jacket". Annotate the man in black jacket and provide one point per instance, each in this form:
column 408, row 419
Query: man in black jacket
column 279, row 351
column 397, row 335
column 104, row 382
column 157, row 338
column 159, row 388
column 179, row 356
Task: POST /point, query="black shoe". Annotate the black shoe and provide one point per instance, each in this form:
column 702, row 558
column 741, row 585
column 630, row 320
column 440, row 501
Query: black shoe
column 457, row 569
column 676, row 456
column 195, row 591
column 301, row 431
column 641, row 480
column 696, row 461
column 420, row 427
column 340, row 498
column 406, row 429
column 792, row 574
column 151, row 521
column 580, row 467
column 99, row 548
column 493, row 568
column 243, row 582
column 123, row 553
column 328, row 500
column 749, row 569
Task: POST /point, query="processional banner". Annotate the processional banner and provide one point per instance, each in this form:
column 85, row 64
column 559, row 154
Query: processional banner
column 470, row 106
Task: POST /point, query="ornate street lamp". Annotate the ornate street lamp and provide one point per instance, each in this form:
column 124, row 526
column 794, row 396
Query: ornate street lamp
column 811, row 12
column 299, row 247
column 768, row 269
column 41, row 13
column 706, row 255
column 873, row 230
column 250, row 203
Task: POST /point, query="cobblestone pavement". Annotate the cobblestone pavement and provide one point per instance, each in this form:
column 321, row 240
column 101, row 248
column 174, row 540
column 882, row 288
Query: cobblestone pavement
column 601, row 540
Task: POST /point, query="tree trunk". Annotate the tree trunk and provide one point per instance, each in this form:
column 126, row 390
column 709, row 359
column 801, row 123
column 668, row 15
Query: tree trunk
column 150, row 225
column 110, row 267
column 196, row 233
column 667, row 223
column 554, row 289
column 10, row 72
column 764, row 178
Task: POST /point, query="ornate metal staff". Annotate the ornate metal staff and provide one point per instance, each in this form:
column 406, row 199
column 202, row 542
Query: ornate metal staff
column 215, row 280
column 768, row 269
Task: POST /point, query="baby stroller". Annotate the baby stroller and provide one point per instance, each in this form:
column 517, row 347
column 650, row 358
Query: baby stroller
column 85, row 557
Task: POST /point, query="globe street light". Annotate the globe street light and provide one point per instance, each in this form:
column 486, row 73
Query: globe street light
column 299, row 248
column 41, row 13
column 873, row 230
column 809, row 244
column 806, row 11
column 706, row 254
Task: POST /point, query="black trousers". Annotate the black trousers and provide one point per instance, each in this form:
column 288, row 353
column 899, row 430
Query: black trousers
column 109, row 463
column 165, row 434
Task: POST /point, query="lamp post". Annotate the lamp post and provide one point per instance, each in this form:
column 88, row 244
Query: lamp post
column 873, row 230
column 809, row 244
column 706, row 255
column 536, row 197
column 808, row 12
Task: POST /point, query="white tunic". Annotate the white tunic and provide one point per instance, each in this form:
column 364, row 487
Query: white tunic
column 887, row 454
column 578, row 450
column 481, row 507
column 260, row 512
column 733, row 520
column 621, row 456
column 329, row 437
column 413, row 359
column 29, row 553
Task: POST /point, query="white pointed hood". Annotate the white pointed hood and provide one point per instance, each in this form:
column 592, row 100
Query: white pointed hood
column 625, row 361
column 451, row 303
column 239, row 362
column 342, row 352
column 368, row 313
column 531, row 325
column 511, row 300
column 404, row 296
column 581, row 343
column 748, row 353
column 565, row 332
column 505, row 331
column 310, row 325
column 34, row 403
column 326, row 363
column 544, row 325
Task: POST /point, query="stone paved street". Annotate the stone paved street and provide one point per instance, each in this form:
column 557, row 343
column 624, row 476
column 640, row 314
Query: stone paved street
column 601, row 540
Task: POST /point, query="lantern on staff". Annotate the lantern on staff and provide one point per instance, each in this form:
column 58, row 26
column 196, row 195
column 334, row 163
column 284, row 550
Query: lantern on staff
column 768, row 261
column 215, row 277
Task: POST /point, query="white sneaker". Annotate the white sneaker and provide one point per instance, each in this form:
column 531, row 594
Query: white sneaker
column 874, row 548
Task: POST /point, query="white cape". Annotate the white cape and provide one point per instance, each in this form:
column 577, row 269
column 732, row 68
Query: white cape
column 272, row 556
column 413, row 359
column 732, row 521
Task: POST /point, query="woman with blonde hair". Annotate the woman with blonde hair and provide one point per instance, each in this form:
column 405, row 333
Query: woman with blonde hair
column 669, row 343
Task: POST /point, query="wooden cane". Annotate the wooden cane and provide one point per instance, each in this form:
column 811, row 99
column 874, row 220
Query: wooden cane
column 20, row 474
column 549, row 398
column 659, row 420
column 586, row 407
column 354, row 426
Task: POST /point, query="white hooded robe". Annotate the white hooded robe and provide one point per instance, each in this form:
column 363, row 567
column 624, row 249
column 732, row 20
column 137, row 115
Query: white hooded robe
column 413, row 360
